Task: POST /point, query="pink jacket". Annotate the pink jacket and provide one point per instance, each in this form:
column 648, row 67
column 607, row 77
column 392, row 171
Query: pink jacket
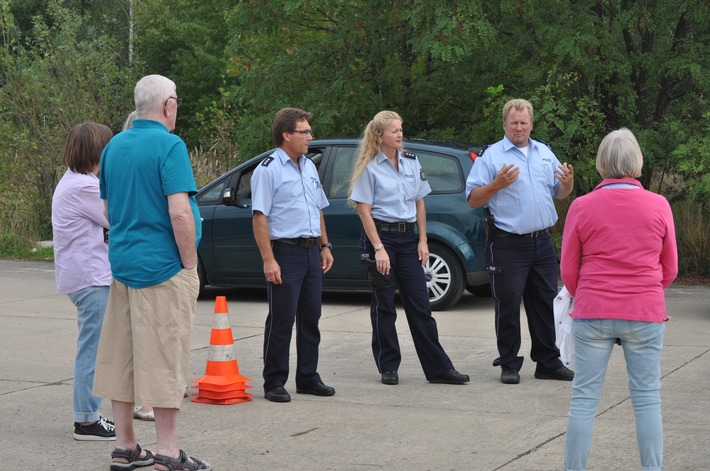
column 619, row 253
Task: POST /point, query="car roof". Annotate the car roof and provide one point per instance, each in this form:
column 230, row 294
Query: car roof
column 420, row 143
column 433, row 145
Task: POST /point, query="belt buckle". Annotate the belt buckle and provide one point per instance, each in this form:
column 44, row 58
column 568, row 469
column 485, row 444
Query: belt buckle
column 308, row 243
column 402, row 227
column 534, row 234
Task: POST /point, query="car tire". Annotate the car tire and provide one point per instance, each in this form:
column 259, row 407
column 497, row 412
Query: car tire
column 481, row 291
column 201, row 276
column 444, row 277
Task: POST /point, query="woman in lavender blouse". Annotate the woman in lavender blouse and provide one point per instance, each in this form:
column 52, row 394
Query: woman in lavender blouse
column 81, row 265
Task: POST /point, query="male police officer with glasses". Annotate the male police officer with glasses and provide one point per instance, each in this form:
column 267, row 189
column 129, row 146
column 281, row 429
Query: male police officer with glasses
column 289, row 229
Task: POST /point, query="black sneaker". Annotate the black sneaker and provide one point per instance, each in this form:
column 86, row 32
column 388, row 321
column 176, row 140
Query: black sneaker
column 103, row 429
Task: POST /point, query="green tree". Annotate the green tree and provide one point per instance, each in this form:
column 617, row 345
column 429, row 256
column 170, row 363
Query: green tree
column 597, row 65
column 67, row 72
column 593, row 66
column 345, row 61
column 185, row 40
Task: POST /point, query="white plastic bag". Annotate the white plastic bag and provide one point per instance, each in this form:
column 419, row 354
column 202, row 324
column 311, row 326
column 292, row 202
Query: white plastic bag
column 563, row 304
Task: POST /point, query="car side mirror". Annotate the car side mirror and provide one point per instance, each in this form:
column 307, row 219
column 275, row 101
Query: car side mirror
column 228, row 196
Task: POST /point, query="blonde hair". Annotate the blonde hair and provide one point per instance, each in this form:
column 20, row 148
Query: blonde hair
column 517, row 104
column 129, row 120
column 370, row 144
column 619, row 155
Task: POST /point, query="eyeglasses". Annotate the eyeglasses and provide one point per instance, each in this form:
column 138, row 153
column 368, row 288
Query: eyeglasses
column 305, row 132
column 178, row 100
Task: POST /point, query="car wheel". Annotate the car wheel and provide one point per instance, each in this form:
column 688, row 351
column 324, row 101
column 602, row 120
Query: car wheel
column 444, row 277
column 482, row 291
column 201, row 276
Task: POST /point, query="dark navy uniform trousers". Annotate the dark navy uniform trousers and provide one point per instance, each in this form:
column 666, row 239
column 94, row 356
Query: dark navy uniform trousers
column 402, row 250
column 297, row 299
column 523, row 268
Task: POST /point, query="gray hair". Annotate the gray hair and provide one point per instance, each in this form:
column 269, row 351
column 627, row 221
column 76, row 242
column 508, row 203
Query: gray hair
column 150, row 94
column 619, row 155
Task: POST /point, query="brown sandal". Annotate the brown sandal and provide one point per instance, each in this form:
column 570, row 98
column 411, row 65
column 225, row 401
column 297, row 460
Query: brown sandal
column 182, row 462
column 133, row 457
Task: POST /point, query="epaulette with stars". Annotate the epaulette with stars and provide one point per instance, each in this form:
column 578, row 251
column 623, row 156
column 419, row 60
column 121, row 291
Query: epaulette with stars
column 543, row 142
column 409, row 155
column 483, row 149
column 267, row 161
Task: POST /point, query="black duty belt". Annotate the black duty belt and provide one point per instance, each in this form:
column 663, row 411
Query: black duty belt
column 306, row 242
column 532, row 235
column 394, row 226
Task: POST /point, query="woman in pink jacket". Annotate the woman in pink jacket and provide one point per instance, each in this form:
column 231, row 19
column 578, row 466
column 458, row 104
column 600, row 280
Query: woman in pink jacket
column 618, row 254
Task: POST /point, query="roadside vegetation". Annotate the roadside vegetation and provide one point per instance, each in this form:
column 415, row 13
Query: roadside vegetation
column 446, row 66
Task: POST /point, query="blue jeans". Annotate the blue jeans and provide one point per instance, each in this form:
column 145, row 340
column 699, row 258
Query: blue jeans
column 642, row 343
column 91, row 306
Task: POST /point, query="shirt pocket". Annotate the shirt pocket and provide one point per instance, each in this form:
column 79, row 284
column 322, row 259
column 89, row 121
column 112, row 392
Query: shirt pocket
column 313, row 189
column 410, row 187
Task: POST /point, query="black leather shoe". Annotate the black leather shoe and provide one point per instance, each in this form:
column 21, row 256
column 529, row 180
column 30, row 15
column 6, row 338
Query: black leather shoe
column 390, row 377
column 451, row 377
column 561, row 374
column 277, row 394
column 317, row 389
column 509, row 375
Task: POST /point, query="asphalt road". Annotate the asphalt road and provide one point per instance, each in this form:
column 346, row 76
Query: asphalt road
column 483, row 426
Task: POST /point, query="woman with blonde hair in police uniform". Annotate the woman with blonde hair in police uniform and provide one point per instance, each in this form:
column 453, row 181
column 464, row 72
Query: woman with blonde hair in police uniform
column 388, row 189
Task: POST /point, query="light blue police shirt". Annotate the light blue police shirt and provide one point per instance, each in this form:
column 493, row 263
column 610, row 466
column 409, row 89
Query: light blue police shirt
column 526, row 205
column 391, row 193
column 290, row 199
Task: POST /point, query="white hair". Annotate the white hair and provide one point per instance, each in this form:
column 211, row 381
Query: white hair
column 150, row 94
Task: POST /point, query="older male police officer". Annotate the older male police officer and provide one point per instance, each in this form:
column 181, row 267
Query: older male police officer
column 516, row 179
column 289, row 229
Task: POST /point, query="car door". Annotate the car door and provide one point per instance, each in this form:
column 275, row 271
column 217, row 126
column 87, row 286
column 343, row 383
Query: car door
column 237, row 259
column 342, row 222
column 236, row 256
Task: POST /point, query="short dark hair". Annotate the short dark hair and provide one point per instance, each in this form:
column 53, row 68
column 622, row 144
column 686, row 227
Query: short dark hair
column 83, row 146
column 285, row 121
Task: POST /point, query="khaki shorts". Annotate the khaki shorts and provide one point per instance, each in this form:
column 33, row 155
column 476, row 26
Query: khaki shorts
column 144, row 348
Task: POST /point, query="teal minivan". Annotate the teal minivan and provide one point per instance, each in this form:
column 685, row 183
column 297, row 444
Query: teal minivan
column 228, row 255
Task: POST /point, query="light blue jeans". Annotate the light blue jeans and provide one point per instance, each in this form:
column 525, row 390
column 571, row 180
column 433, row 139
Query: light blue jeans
column 642, row 343
column 91, row 306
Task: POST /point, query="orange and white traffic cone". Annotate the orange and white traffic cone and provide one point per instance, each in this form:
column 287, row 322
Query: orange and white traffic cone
column 222, row 382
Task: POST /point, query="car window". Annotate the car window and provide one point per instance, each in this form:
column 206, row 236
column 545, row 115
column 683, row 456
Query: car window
column 214, row 194
column 244, row 185
column 342, row 172
column 443, row 172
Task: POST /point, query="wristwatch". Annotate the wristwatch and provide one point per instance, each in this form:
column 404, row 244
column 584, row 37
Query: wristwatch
column 378, row 247
column 327, row 244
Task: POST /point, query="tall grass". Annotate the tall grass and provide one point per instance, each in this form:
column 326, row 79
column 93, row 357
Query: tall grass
column 692, row 223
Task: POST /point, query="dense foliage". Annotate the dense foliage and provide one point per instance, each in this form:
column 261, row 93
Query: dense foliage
column 588, row 66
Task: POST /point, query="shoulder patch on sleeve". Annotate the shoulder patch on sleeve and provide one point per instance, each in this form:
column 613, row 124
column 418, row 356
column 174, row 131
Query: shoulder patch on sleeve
column 409, row 155
column 267, row 161
column 422, row 175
